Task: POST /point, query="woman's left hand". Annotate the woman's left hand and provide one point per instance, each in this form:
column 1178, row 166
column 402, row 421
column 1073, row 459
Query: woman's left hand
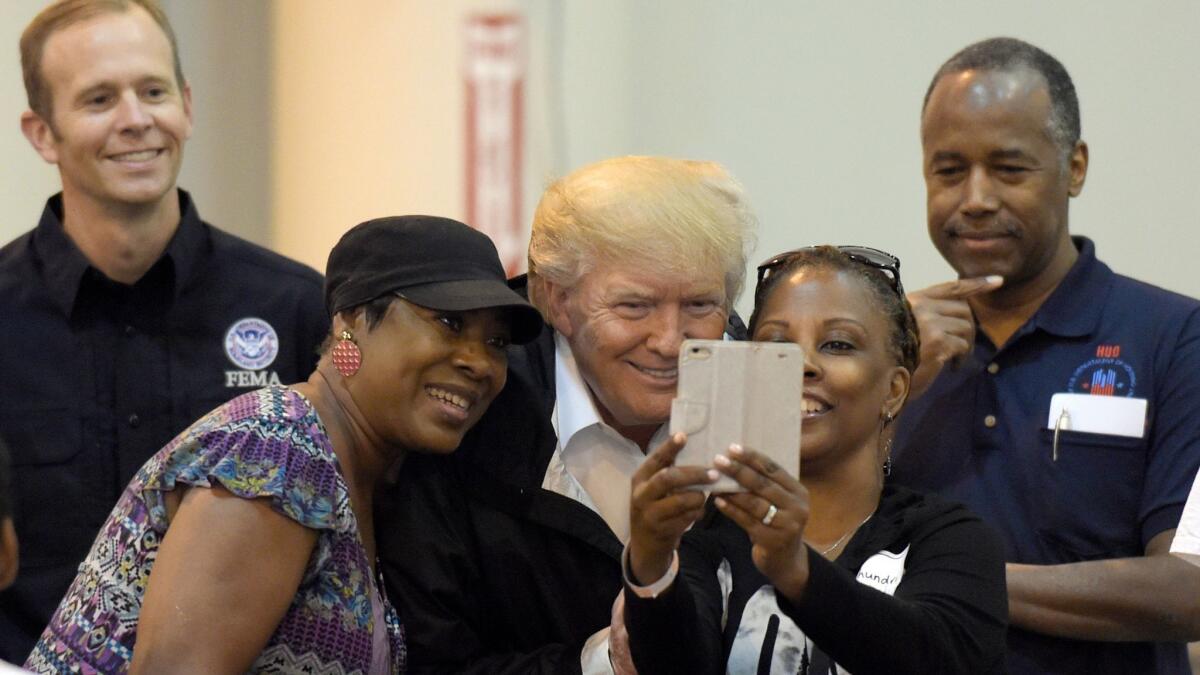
column 773, row 511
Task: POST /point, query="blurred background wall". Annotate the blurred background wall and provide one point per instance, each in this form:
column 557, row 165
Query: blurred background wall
column 25, row 181
column 312, row 116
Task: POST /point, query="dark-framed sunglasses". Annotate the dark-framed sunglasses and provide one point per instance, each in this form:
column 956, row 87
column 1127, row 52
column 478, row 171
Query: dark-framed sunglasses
column 863, row 255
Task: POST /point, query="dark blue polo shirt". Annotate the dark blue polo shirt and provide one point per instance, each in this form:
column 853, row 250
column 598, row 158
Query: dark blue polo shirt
column 980, row 436
column 97, row 376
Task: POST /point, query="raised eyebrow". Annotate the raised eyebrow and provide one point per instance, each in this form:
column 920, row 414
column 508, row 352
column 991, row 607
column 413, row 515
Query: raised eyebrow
column 621, row 294
column 845, row 320
column 770, row 323
column 1012, row 153
column 91, row 91
column 945, row 156
column 155, row 81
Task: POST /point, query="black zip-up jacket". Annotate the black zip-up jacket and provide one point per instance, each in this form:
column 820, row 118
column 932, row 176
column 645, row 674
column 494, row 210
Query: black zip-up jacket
column 948, row 613
column 490, row 572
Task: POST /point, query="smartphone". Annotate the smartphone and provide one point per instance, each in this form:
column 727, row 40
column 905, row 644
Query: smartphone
column 739, row 392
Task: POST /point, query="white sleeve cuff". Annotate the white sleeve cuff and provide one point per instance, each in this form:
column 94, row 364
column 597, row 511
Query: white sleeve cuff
column 655, row 589
column 1187, row 533
column 1185, row 542
column 593, row 660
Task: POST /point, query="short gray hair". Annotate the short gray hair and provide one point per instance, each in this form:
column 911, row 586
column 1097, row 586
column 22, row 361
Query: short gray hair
column 1007, row 54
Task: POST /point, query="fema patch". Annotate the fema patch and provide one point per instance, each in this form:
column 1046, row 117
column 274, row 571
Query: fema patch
column 1105, row 375
column 251, row 343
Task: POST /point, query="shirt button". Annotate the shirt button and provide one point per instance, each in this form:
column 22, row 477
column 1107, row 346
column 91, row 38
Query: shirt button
column 129, row 330
column 135, row 421
column 993, row 368
column 989, row 421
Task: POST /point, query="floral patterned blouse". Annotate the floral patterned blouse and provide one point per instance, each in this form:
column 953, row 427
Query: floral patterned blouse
column 265, row 444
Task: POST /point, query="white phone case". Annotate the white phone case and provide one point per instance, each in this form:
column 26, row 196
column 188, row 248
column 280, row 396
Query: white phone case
column 739, row 392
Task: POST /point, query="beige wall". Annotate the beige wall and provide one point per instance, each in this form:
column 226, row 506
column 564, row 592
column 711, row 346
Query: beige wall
column 367, row 111
column 225, row 46
column 315, row 115
column 814, row 106
column 25, row 180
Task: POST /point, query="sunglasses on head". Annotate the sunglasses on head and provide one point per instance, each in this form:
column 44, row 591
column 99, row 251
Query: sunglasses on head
column 863, row 255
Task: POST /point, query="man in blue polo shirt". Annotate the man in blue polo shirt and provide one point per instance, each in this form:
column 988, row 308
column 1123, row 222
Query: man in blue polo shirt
column 1067, row 416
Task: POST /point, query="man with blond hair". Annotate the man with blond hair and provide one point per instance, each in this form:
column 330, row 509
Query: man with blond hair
column 505, row 556
column 125, row 316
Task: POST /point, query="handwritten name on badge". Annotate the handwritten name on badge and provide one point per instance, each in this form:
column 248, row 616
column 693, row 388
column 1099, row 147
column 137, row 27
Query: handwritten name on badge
column 883, row 571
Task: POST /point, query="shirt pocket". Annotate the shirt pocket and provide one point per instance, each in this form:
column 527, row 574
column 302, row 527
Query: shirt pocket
column 1091, row 495
column 56, row 489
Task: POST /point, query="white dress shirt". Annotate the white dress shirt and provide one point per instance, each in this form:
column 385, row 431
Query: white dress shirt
column 592, row 463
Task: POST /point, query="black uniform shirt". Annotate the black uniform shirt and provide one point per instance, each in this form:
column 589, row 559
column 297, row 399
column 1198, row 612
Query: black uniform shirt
column 96, row 376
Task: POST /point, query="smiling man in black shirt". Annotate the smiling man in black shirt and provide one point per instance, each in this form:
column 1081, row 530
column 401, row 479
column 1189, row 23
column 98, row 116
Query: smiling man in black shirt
column 125, row 316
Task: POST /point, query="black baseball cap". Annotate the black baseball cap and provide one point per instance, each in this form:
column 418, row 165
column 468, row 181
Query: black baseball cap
column 434, row 262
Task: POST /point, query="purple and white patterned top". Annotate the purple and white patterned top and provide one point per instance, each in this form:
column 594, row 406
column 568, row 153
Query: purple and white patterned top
column 264, row 444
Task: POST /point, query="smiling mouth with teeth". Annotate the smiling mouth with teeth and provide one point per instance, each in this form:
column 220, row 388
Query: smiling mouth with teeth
column 810, row 406
column 138, row 156
column 659, row 373
column 447, row 397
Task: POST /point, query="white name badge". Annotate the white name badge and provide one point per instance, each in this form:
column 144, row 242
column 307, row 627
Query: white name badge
column 883, row 571
column 1089, row 413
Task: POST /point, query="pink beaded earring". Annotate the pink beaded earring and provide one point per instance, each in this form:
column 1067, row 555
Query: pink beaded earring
column 347, row 357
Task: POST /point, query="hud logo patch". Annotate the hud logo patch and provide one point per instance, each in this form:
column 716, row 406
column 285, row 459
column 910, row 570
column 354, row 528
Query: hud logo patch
column 251, row 343
column 1105, row 375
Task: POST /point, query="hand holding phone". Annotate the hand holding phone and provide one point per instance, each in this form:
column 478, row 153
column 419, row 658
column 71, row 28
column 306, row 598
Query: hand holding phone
column 739, row 392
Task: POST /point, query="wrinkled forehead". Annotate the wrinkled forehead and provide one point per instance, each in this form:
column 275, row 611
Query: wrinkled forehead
column 654, row 279
column 979, row 93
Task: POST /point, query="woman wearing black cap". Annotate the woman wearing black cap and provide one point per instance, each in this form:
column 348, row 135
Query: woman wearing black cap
column 246, row 544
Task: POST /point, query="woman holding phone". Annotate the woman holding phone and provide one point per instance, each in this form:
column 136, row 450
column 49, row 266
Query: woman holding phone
column 837, row 572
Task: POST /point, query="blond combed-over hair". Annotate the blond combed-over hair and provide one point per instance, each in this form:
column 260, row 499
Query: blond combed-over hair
column 673, row 215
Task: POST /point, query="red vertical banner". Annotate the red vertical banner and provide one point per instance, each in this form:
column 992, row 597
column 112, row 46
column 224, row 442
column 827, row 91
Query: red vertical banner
column 494, row 75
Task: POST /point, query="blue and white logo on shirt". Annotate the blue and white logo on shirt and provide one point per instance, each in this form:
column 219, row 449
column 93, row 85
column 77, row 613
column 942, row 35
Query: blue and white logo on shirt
column 251, row 343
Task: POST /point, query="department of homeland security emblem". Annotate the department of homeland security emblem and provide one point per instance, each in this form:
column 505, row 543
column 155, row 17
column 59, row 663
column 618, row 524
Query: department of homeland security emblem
column 1105, row 375
column 251, row 343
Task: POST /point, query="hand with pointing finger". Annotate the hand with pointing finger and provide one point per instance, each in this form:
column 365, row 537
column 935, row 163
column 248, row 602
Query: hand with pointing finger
column 946, row 324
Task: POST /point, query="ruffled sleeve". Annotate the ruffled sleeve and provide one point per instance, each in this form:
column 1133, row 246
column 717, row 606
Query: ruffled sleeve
column 265, row 444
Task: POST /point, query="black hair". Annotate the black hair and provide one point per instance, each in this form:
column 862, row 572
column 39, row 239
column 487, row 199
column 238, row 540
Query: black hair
column 373, row 311
column 905, row 339
column 1007, row 54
